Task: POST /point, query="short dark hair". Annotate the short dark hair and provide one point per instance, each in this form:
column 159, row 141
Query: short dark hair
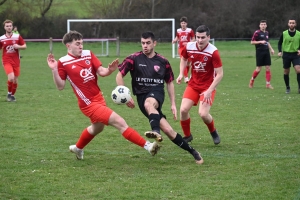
column 263, row 21
column 183, row 19
column 72, row 35
column 202, row 29
column 148, row 34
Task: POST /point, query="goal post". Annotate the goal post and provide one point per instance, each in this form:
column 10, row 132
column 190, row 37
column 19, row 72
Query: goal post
column 172, row 20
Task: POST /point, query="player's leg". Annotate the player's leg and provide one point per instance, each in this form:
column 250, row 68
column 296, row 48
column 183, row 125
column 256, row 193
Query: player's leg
column 15, row 82
column 268, row 77
column 86, row 136
column 259, row 64
column 296, row 63
column 267, row 63
column 8, row 68
column 190, row 98
column 177, row 139
column 204, row 108
column 132, row 135
column 286, row 72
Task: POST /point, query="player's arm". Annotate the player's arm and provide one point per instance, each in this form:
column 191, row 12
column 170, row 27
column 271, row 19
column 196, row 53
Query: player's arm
column 102, row 71
column 175, row 40
column 183, row 64
column 217, row 79
column 52, row 63
column 119, row 79
column 171, row 92
column 280, row 45
column 17, row 46
column 270, row 48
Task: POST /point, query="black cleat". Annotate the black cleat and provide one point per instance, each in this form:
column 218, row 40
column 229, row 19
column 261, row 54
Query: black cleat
column 199, row 160
column 188, row 138
column 8, row 98
column 12, row 98
column 288, row 90
column 215, row 137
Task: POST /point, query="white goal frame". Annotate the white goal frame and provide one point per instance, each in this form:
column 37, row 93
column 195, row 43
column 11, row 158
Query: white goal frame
column 69, row 21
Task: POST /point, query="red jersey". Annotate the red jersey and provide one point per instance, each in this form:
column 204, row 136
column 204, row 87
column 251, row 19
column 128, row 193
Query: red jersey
column 204, row 63
column 82, row 75
column 9, row 53
column 184, row 36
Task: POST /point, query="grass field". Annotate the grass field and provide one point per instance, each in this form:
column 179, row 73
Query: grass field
column 258, row 157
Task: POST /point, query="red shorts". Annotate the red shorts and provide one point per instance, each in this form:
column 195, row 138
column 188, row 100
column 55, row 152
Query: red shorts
column 97, row 111
column 195, row 96
column 9, row 68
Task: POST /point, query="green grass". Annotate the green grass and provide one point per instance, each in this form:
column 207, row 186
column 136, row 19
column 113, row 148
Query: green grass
column 258, row 157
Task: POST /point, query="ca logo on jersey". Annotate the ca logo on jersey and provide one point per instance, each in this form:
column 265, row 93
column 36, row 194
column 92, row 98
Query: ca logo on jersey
column 10, row 49
column 199, row 66
column 87, row 74
column 183, row 38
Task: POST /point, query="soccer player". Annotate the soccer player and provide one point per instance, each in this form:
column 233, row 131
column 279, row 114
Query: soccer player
column 289, row 49
column 81, row 68
column 149, row 71
column 260, row 39
column 11, row 43
column 207, row 72
column 183, row 36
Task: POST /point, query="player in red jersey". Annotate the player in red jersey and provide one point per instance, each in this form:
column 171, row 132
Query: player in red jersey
column 207, row 72
column 183, row 36
column 263, row 47
column 149, row 73
column 81, row 68
column 11, row 43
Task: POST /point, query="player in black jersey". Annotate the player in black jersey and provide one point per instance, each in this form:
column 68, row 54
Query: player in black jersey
column 149, row 72
column 289, row 49
column 263, row 48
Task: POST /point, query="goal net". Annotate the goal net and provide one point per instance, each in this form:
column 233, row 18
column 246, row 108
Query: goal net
column 114, row 41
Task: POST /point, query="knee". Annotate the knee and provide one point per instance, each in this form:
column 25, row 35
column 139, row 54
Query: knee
column 184, row 110
column 203, row 115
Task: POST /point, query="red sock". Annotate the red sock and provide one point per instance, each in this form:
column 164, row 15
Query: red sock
column 14, row 88
column 134, row 137
column 268, row 76
column 186, row 71
column 84, row 139
column 9, row 86
column 211, row 126
column 186, row 128
column 255, row 73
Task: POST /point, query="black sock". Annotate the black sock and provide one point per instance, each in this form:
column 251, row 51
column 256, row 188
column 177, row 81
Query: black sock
column 154, row 120
column 298, row 79
column 183, row 144
column 286, row 80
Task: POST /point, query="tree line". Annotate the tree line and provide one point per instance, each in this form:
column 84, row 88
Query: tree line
column 225, row 18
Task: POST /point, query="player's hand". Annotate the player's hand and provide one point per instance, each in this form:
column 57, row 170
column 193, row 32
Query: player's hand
column 272, row 51
column 206, row 97
column 179, row 78
column 279, row 54
column 52, row 63
column 130, row 104
column 113, row 65
column 298, row 52
column 16, row 46
column 174, row 111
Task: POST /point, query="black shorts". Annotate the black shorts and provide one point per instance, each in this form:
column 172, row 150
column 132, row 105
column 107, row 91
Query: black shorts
column 288, row 58
column 156, row 94
column 263, row 57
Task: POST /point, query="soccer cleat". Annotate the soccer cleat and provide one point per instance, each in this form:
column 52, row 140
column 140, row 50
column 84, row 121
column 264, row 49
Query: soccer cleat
column 154, row 134
column 269, row 86
column 251, row 83
column 188, row 138
column 153, row 148
column 288, row 90
column 199, row 160
column 78, row 152
column 13, row 98
column 186, row 79
column 215, row 137
column 8, row 98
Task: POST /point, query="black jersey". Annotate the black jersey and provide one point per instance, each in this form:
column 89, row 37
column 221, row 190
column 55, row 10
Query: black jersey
column 260, row 36
column 147, row 73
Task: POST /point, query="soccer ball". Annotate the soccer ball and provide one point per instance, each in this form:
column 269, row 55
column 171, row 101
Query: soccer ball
column 121, row 95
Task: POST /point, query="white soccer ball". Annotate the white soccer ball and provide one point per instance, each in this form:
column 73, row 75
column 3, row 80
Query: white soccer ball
column 121, row 95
